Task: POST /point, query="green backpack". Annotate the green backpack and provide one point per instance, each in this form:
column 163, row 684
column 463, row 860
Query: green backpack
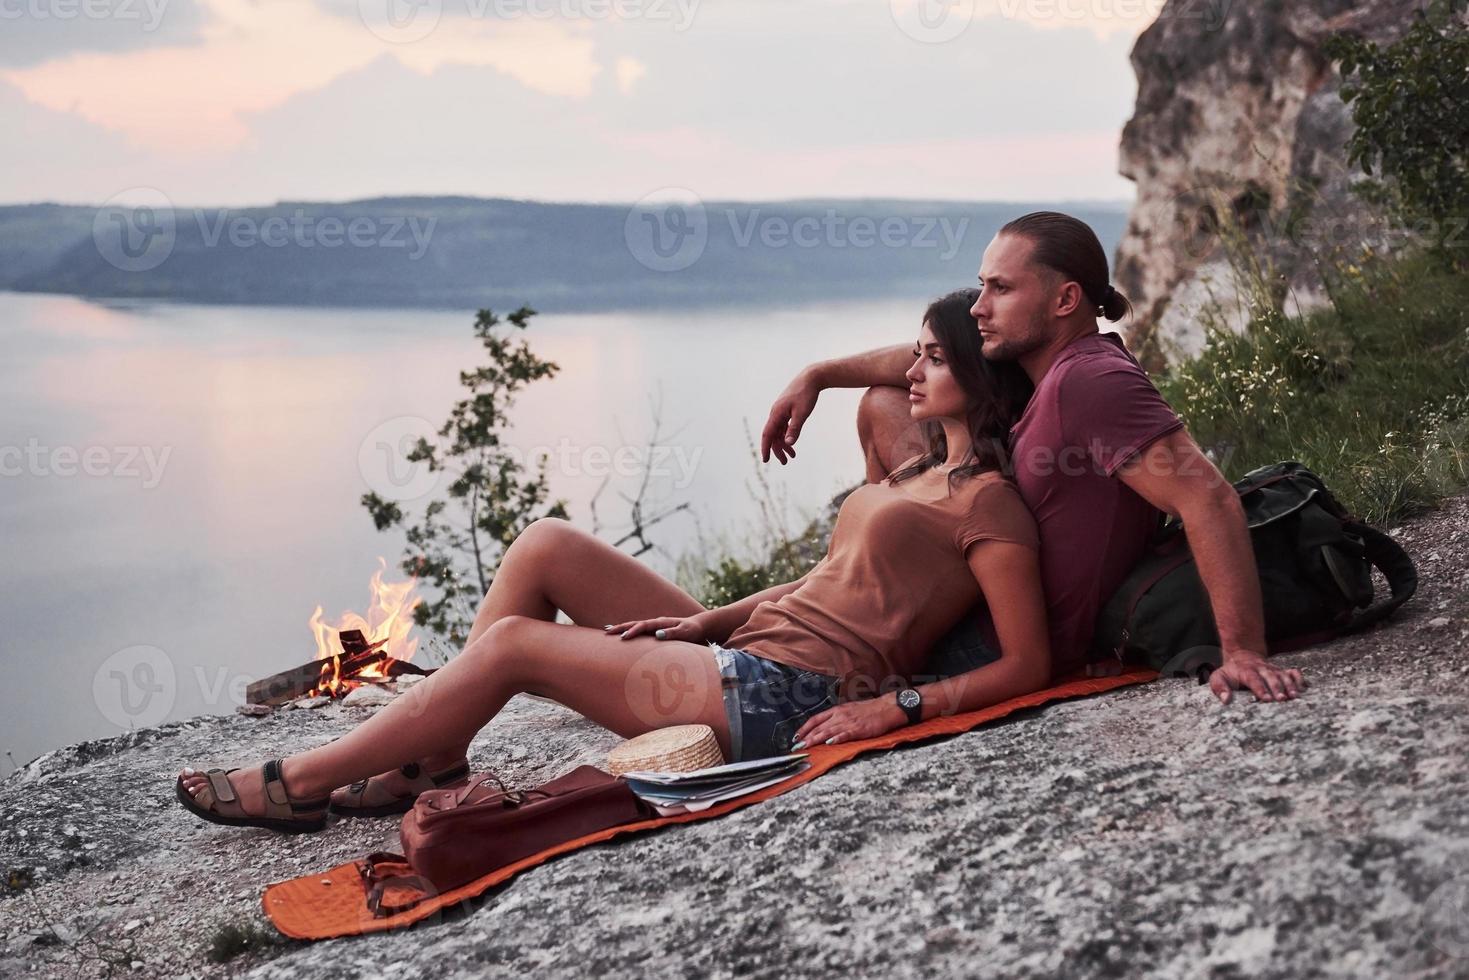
column 1315, row 565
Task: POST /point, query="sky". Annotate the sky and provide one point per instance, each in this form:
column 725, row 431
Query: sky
column 238, row 102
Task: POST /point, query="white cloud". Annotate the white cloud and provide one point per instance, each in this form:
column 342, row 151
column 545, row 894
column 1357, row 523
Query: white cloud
column 629, row 70
column 283, row 99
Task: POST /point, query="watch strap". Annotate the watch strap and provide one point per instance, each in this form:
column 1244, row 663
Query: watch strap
column 915, row 712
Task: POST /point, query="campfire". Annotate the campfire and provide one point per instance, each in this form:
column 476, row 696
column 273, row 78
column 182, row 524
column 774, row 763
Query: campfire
column 346, row 657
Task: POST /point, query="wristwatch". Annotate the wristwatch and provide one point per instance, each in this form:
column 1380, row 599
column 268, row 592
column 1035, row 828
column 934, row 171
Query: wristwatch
column 912, row 704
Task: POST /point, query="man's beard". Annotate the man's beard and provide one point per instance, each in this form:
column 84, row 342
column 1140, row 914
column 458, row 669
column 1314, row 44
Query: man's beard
column 1014, row 348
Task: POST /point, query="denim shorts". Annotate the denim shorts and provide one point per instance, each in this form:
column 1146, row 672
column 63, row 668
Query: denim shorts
column 766, row 702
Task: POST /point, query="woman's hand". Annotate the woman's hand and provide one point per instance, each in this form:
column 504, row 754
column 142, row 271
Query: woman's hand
column 851, row 721
column 689, row 628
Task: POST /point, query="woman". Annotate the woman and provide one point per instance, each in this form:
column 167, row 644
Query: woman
column 820, row 659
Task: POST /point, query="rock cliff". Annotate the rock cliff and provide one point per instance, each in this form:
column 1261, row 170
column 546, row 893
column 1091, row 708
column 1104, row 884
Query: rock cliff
column 1148, row 832
column 1238, row 109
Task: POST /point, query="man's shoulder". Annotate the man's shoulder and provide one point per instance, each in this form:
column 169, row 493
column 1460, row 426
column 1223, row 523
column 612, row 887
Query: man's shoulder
column 1094, row 356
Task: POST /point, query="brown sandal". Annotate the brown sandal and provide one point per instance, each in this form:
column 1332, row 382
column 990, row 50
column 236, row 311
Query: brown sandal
column 281, row 812
column 400, row 804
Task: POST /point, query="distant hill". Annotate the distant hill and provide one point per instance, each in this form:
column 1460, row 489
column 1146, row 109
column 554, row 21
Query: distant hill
column 461, row 253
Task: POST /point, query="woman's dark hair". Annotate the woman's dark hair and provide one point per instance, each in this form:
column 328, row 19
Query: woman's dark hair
column 996, row 391
column 1070, row 247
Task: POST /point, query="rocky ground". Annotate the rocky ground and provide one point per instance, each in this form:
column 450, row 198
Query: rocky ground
column 1149, row 831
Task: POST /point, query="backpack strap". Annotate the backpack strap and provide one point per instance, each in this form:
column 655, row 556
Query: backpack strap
column 1389, row 558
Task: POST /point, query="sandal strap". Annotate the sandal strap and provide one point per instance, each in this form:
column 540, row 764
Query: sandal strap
column 452, row 775
column 218, row 790
column 278, row 802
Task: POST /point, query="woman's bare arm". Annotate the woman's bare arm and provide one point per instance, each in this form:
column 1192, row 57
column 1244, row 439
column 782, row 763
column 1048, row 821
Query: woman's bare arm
column 883, row 366
column 1009, row 575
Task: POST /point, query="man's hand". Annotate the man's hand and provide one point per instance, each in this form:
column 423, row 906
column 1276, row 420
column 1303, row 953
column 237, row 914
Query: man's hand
column 787, row 415
column 851, row 721
column 1251, row 671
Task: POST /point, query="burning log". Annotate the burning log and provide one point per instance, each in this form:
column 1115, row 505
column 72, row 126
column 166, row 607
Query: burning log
column 359, row 662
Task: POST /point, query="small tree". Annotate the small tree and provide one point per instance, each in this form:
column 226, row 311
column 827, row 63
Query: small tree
column 1410, row 104
column 457, row 545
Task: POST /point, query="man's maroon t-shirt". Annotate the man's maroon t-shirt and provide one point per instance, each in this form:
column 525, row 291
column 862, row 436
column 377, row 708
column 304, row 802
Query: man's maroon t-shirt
column 1092, row 411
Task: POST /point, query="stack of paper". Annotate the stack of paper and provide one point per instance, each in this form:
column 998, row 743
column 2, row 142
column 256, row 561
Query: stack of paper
column 685, row 792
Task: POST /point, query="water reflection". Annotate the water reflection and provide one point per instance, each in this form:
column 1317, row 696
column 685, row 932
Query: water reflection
column 215, row 555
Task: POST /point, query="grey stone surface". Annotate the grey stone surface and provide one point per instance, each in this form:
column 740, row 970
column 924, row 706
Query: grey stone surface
column 1150, row 831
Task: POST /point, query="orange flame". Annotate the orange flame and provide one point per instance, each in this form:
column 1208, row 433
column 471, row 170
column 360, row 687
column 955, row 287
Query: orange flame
column 387, row 625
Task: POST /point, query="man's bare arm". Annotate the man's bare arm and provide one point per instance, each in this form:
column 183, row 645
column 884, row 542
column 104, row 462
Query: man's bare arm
column 1175, row 476
column 883, row 366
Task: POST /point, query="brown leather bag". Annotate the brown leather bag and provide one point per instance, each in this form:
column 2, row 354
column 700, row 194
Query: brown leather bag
column 453, row 836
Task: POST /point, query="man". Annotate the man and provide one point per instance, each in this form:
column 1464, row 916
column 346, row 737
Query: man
column 1097, row 454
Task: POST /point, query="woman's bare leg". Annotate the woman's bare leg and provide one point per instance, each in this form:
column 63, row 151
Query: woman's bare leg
column 629, row 686
column 886, row 430
column 553, row 565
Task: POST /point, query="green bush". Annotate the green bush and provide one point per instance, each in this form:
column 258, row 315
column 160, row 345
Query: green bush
column 1410, row 106
column 1372, row 394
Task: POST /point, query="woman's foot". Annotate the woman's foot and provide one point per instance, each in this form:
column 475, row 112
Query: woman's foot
column 394, row 791
column 249, row 797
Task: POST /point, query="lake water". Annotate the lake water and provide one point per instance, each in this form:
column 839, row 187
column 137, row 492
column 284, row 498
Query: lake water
column 179, row 485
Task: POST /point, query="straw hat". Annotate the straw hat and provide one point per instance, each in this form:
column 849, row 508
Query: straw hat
column 682, row 748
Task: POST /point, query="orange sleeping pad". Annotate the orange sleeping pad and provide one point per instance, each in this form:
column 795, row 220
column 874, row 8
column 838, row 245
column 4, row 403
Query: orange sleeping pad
column 334, row 903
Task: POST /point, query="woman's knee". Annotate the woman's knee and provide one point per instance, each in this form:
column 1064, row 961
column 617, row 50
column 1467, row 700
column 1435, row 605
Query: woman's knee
column 545, row 533
column 501, row 641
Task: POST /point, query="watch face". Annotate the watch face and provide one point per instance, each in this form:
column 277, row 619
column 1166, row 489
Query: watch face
column 909, row 698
